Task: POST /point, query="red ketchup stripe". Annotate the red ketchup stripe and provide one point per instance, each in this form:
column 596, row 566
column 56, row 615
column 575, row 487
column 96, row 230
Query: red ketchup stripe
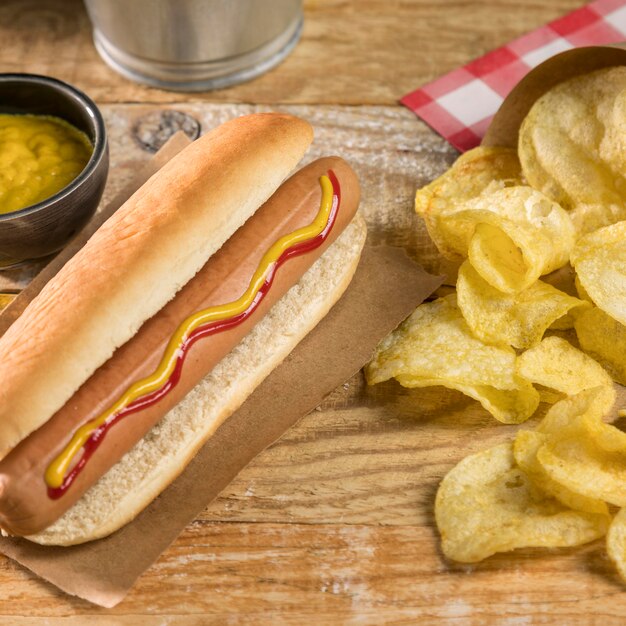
column 211, row 328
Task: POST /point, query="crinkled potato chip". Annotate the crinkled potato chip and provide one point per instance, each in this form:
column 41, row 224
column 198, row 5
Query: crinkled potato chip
column 580, row 290
column 581, row 452
column 564, row 279
column 435, row 342
column 572, row 147
column 549, row 395
column 616, row 543
column 604, row 339
column 563, row 323
column 434, row 346
column 557, row 364
column 600, row 263
column 585, row 468
column 517, row 320
column 510, row 406
column 586, row 411
column 525, row 447
column 486, row 504
column 471, row 174
column 565, row 415
column 512, row 236
column 468, row 177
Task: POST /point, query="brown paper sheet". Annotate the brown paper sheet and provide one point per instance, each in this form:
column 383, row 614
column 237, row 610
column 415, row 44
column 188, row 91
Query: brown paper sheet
column 386, row 288
column 503, row 130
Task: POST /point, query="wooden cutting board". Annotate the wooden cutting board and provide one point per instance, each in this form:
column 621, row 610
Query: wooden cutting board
column 334, row 523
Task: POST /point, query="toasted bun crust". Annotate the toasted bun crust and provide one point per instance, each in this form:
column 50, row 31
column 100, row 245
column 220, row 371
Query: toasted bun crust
column 163, row 453
column 137, row 261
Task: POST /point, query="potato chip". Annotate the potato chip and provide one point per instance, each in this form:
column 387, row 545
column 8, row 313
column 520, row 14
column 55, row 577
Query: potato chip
column 586, row 469
column 517, row 320
column 498, row 256
column 586, row 411
column 511, row 236
column 600, row 263
column 580, row 290
column 564, row 279
column 572, row 147
column 434, row 346
column 435, row 342
column 468, row 177
column 566, row 414
column 525, row 447
column 471, row 174
column 549, row 395
column 604, row 339
column 563, row 323
column 486, row 504
column 556, row 364
column 510, row 406
column 581, row 452
column 616, row 543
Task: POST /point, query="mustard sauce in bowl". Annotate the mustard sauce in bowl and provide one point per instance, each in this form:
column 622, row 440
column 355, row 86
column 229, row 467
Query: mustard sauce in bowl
column 53, row 143
column 39, row 156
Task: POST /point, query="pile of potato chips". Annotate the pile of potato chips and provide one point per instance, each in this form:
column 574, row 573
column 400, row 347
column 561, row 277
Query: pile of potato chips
column 511, row 340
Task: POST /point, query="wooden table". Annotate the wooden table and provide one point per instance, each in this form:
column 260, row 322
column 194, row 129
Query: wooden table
column 334, row 523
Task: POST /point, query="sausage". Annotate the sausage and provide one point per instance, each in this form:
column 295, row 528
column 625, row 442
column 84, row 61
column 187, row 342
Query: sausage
column 25, row 505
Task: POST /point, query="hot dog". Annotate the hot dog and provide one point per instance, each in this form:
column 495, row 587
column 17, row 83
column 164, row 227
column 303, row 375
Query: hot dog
column 30, row 504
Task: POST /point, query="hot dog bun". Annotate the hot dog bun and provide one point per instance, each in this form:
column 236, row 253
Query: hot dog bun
column 137, row 261
column 26, row 505
column 104, row 322
column 160, row 456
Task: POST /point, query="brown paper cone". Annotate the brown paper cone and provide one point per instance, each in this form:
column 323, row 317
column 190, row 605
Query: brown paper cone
column 504, row 128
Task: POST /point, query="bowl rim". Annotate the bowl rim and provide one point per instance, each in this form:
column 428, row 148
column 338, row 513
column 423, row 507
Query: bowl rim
column 99, row 146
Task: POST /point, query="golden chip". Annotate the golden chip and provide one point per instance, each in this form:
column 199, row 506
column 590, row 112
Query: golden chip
column 600, row 263
column 616, row 542
column 434, row 346
column 566, row 414
column 556, row 364
column 581, row 452
column 511, row 236
column 525, row 448
column 604, row 339
column 586, row 469
column 486, row 504
column 580, row 290
column 472, row 173
column 435, row 342
column 517, row 320
column 510, row 406
column 549, row 395
column 571, row 146
column 563, row 323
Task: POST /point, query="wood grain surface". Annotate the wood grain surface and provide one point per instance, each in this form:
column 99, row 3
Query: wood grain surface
column 334, row 523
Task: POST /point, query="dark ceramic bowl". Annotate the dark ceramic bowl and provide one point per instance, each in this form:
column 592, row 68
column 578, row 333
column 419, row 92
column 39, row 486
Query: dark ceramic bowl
column 43, row 228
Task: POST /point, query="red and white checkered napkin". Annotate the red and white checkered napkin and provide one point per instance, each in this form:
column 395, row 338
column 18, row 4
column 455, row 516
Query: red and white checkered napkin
column 460, row 105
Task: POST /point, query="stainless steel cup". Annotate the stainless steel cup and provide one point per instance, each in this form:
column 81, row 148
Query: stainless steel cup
column 194, row 45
